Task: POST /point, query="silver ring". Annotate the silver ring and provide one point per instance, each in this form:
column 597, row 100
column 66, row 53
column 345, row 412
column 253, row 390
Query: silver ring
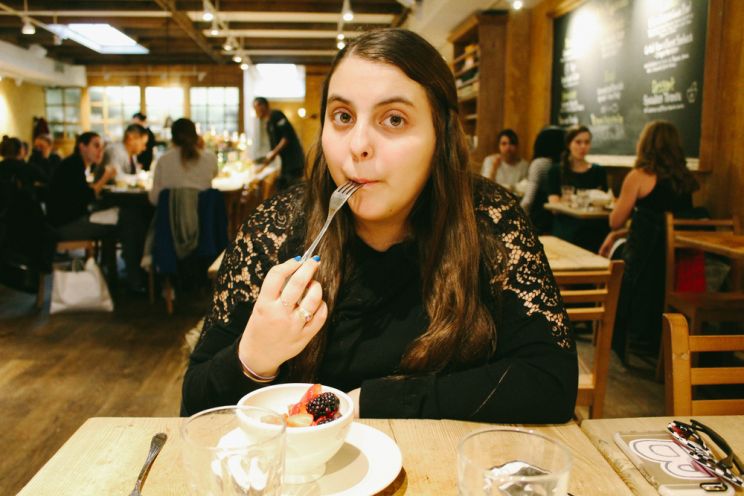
column 306, row 316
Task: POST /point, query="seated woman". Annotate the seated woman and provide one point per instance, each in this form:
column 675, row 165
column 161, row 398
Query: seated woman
column 549, row 146
column 659, row 182
column 430, row 297
column 575, row 171
column 184, row 165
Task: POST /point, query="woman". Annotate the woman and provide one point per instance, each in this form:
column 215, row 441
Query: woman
column 574, row 170
column 547, row 150
column 431, row 297
column 658, row 183
column 70, row 195
column 184, row 165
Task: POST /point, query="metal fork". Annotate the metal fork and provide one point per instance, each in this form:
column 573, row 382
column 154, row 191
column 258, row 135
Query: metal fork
column 158, row 440
column 338, row 198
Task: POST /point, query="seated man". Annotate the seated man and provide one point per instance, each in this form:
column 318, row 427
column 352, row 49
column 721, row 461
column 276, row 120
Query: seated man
column 506, row 167
column 122, row 156
column 134, row 220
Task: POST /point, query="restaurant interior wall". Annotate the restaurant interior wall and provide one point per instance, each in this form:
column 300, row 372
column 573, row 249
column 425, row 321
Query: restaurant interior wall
column 18, row 105
column 722, row 142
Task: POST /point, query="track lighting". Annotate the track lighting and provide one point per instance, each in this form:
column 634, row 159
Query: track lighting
column 346, row 13
column 28, row 28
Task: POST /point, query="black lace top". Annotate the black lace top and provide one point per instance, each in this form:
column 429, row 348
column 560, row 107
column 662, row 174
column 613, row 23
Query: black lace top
column 530, row 378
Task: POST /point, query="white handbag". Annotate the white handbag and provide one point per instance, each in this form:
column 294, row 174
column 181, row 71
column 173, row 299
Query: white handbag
column 80, row 289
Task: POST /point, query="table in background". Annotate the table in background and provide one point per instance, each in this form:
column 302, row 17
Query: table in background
column 579, row 213
column 105, row 455
column 601, row 432
column 565, row 256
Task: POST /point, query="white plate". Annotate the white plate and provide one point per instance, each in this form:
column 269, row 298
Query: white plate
column 366, row 464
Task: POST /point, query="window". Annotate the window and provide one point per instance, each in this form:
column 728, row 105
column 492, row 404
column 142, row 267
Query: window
column 63, row 112
column 111, row 109
column 164, row 105
column 215, row 108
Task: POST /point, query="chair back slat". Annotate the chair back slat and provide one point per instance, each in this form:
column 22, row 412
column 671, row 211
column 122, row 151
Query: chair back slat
column 681, row 376
column 596, row 304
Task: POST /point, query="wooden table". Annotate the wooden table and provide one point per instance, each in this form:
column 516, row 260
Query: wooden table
column 601, row 432
column 565, row 256
column 104, row 456
column 723, row 243
column 579, row 213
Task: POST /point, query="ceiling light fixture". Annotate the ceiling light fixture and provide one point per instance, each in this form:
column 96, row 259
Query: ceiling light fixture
column 237, row 59
column 228, row 46
column 244, row 66
column 214, row 30
column 28, row 28
column 340, row 36
column 208, row 15
column 346, row 13
column 517, row 4
column 340, row 45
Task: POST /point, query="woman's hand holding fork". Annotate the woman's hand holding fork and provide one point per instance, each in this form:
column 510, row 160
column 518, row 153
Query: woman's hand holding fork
column 289, row 311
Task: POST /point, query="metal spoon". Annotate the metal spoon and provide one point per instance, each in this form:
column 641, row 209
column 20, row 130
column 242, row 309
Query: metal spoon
column 158, row 440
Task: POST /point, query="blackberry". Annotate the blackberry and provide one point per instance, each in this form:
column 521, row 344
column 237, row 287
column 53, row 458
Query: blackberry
column 323, row 405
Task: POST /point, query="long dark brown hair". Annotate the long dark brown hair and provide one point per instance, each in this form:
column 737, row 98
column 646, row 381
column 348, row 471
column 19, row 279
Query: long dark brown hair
column 184, row 136
column 442, row 222
column 660, row 153
column 571, row 134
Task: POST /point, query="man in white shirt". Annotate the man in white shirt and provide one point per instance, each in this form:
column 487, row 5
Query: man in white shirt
column 133, row 219
column 122, row 156
column 506, row 167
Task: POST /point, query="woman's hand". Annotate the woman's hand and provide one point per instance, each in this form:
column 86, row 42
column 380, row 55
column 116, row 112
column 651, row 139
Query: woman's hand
column 604, row 250
column 289, row 311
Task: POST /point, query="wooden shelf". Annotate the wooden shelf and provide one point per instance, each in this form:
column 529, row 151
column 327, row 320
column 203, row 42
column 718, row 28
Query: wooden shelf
column 462, row 71
column 460, row 58
column 479, row 42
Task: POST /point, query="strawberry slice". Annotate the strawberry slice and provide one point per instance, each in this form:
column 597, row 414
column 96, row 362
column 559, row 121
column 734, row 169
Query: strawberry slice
column 299, row 407
column 300, row 420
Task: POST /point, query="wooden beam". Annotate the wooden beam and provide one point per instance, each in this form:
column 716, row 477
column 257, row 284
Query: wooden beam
column 185, row 23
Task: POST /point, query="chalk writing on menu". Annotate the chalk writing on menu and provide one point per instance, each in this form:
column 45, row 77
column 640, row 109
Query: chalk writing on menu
column 618, row 64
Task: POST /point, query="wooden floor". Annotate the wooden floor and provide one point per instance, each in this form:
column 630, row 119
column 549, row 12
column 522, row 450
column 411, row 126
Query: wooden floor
column 57, row 371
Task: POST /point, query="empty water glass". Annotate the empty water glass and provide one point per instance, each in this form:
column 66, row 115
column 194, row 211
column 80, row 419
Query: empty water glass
column 234, row 451
column 512, row 462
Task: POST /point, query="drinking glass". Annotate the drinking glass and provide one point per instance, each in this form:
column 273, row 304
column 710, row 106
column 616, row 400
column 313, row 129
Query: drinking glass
column 567, row 193
column 583, row 199
column 512, row 462
column 234, row 450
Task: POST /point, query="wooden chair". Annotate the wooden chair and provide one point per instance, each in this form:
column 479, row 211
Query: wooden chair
column 681, row 376
column 591, row 296
column 704, row 306
column 88, row 245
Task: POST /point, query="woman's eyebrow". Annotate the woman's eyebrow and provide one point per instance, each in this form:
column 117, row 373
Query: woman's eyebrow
column 387, row 101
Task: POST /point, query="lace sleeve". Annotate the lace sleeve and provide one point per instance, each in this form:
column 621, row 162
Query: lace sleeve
column 528, row 274
column 255, row 250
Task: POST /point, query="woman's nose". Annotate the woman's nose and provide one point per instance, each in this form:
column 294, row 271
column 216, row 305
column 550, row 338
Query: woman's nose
column 361, row 144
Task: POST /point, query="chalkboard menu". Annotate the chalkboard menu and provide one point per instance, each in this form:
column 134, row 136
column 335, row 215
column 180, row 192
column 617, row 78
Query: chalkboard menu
column 618, row 64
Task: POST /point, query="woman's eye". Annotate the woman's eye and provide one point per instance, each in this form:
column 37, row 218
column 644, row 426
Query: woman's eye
column 341, row 117
column 395, row 120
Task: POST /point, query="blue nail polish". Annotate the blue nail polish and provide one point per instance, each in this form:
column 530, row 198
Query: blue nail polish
column 316, row 258
column 297, row 258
